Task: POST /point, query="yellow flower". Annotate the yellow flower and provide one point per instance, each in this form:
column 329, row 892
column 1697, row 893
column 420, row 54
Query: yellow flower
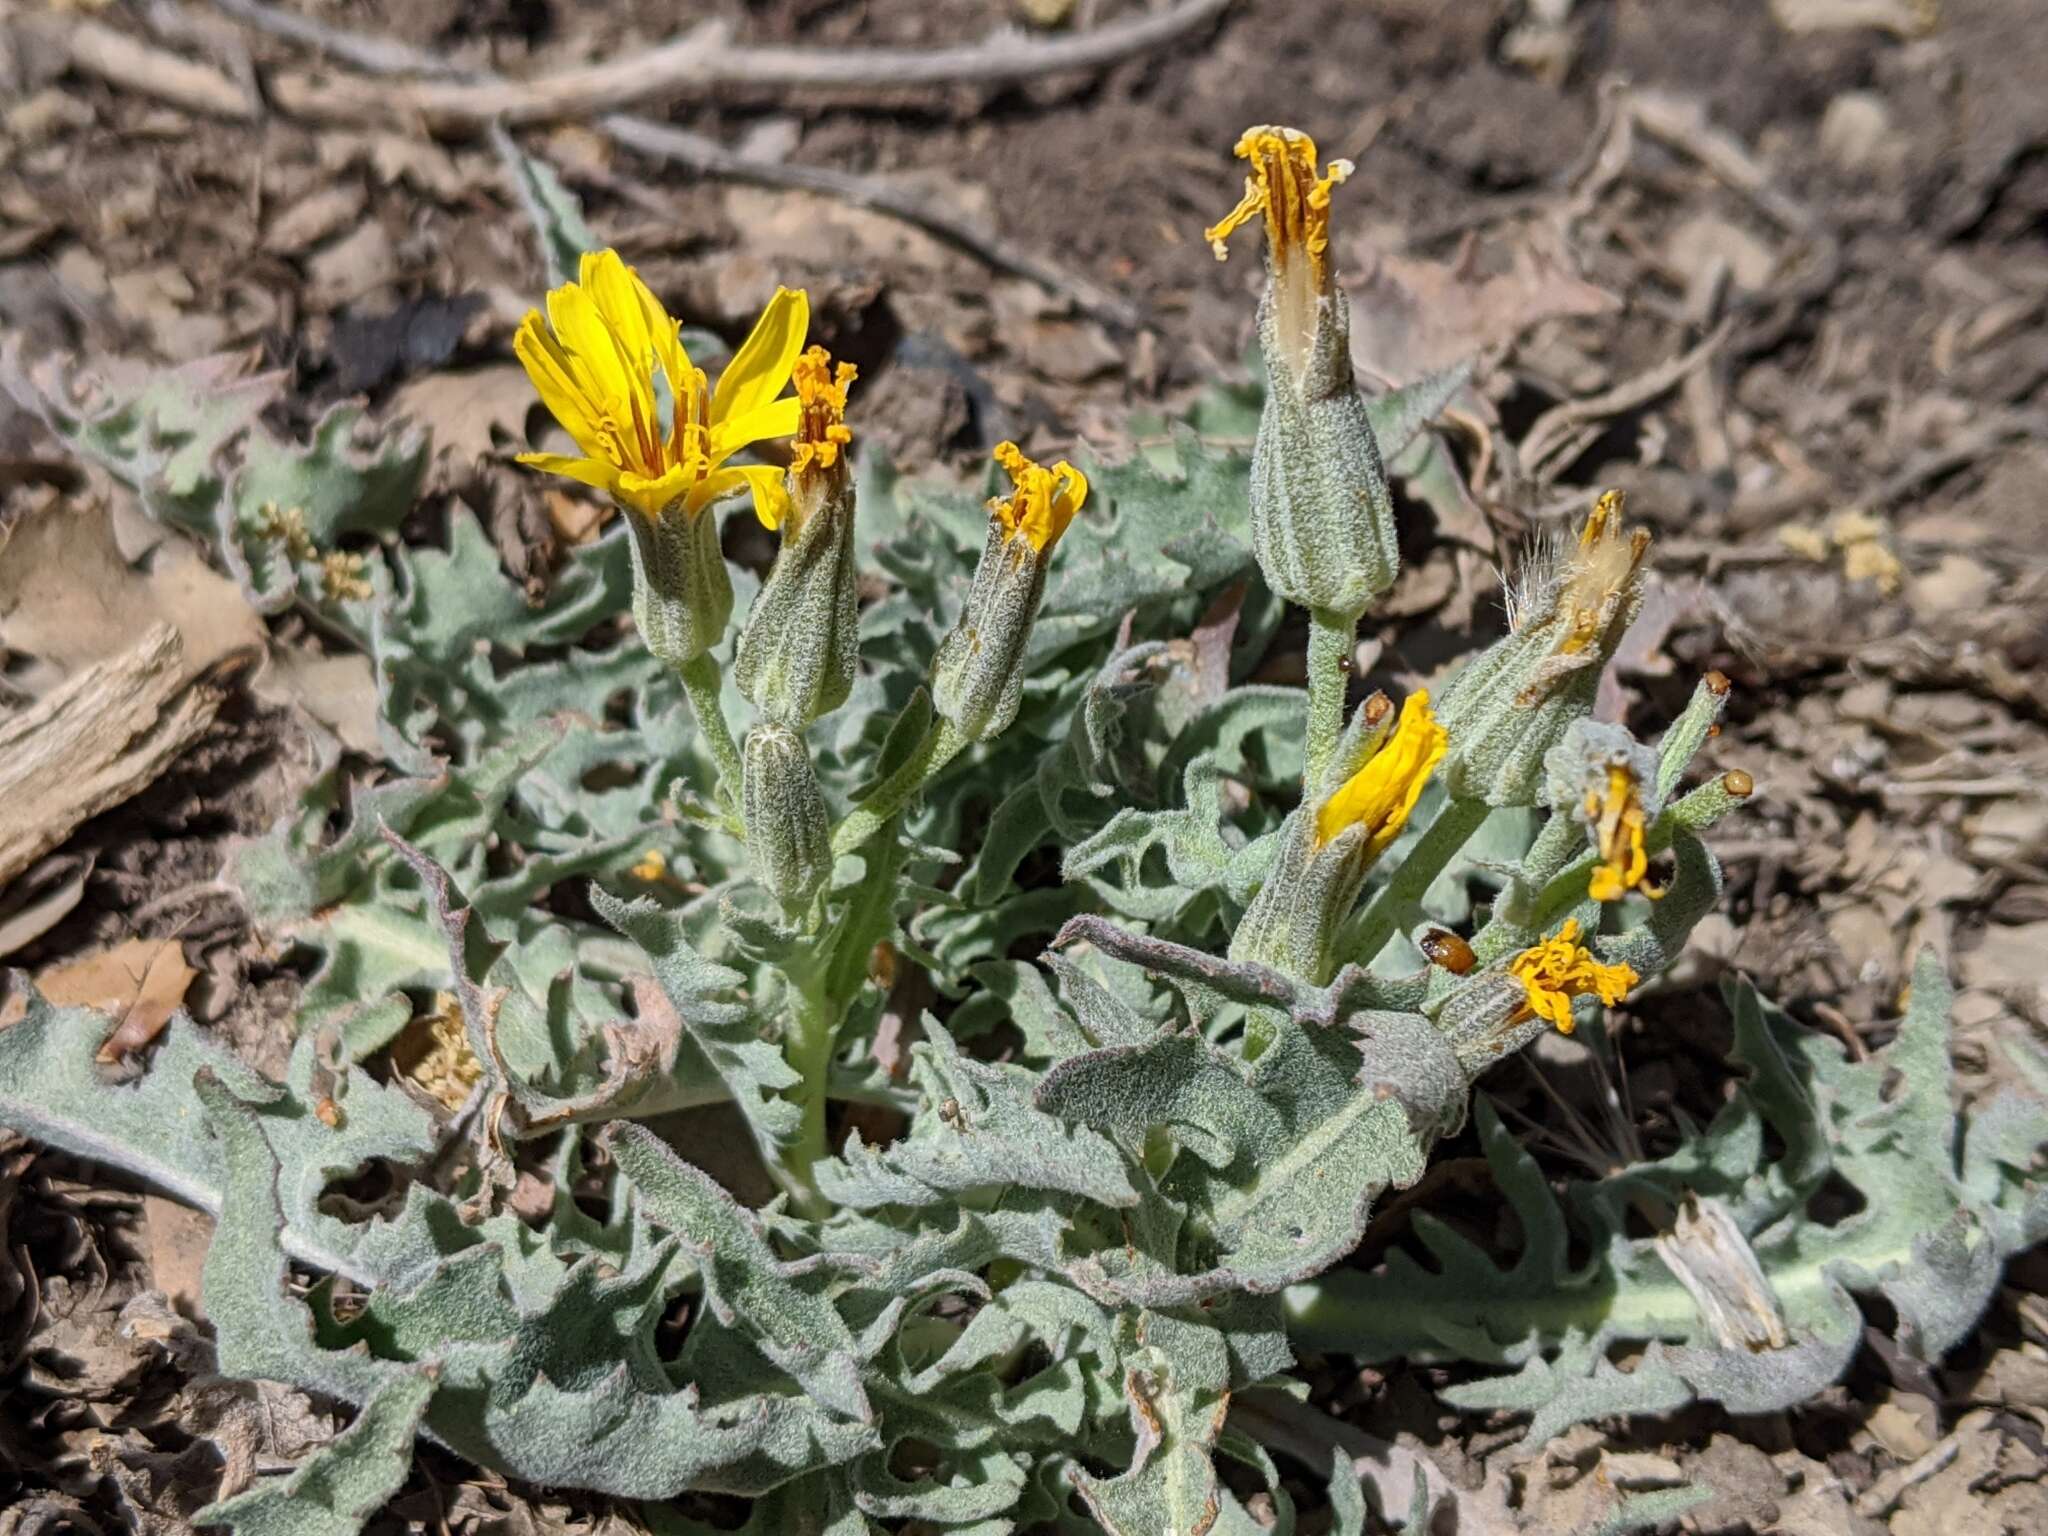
column 1044, row 501
column 821, row 395
column 1285, row 186
column 1618, row 822
column 1560, row 969
column 1381, row 795
column 594, row 363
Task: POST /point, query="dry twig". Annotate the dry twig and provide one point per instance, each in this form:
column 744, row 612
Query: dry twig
column 699, row 63
column 114, row 56
column 707, row 157
column 710, row 158
column 1561, row 433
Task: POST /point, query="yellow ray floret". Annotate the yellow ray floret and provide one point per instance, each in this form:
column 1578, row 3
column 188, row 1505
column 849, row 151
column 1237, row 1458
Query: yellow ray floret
column 1560, row 969
column 1287, row 188
column 821, row 394
column 1618, row 824
column 1044, row 501
column 1380, row 795
column 594, row 361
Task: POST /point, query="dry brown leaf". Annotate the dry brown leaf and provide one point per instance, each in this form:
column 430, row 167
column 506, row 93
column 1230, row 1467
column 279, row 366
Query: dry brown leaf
column 1411, row 315
column 575, row 519
column 139, row 983
column 67, row 596
column 177, row 1237
column 352, row 268
column 472, row 413
column 321, row 213
column 338, row 691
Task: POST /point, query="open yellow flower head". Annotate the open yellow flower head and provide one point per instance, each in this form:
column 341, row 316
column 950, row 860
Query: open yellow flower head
column 822, row 432
column 594, row 362
column 1044, row 501
column 1618, row 822
column 1287, row 188
column 1380, row 796
column 1560, row 969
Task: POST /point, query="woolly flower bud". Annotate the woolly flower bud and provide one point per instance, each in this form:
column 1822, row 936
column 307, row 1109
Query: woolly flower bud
column 682, row 594
column 1322, row 517
column 1606, row 779
column 799, row 649
column 978, row 673
column 1327, row 846
column 789, row 837
column 1515, row 700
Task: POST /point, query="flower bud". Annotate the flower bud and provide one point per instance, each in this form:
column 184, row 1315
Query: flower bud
column 682, row 594
column 798, row 651
column 1607, row 780
column 1327, row 845
column 978, row 673
column 789, row 835
column 1514, row 701
column 1322, row 517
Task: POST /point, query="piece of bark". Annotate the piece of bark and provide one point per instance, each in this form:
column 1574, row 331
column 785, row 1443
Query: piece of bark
column 94, row 741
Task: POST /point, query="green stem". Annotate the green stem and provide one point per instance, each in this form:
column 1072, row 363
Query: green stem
column 1567, row 888
column 814, row 1021
column 820, row 994
column 1331, row 637
column 1389, row 909
column 940, row 746
column 1344, row 1312
column 701, row 683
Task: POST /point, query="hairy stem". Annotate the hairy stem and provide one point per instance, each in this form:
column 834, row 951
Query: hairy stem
column 813, row 1022
column 1367, row 934
column 701, row 683
column 1331, row 637
column 819, row 999
column 940, row 746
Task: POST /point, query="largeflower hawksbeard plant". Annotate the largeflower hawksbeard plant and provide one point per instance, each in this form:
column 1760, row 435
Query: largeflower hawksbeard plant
column 1051, row 1004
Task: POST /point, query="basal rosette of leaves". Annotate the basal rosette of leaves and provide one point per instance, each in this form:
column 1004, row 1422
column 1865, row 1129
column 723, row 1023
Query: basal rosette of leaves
column 1201, row 968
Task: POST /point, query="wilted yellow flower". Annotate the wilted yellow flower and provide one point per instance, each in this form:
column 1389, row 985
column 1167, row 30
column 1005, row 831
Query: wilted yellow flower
column 1044, row 501
column 822, row 432
column 978, row 672
column 1599, row 575
column 1381, row 795
column 595, row 362
column 1287, row 188
column 1560, row 969
column 1618, row 822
